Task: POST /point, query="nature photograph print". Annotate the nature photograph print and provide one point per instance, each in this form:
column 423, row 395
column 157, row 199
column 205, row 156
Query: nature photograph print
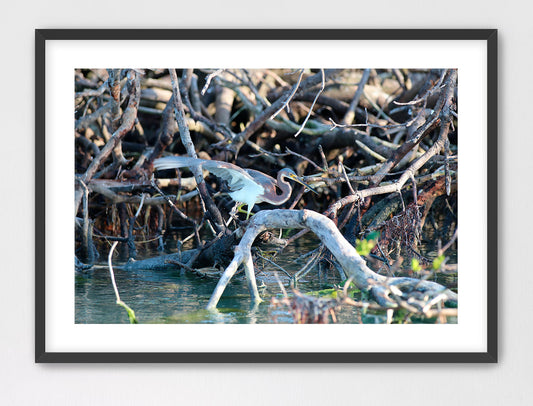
column 266, row 196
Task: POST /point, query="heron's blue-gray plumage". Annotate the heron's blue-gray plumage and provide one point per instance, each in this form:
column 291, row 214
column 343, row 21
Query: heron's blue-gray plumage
column 246, row 186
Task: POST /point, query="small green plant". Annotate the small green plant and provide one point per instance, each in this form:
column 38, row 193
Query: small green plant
column 364, row 247
column 437, row 262
column 415, row 265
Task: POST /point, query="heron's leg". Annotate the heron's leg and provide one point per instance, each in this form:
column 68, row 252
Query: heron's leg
column 250, row 207
column 248, row 212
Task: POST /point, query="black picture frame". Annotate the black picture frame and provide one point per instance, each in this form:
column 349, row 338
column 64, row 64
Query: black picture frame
column 488, row 35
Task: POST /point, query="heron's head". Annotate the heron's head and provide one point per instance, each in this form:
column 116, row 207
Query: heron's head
column 288, row 173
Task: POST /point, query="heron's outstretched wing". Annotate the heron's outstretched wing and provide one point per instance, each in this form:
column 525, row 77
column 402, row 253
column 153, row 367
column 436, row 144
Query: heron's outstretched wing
column 236, row 177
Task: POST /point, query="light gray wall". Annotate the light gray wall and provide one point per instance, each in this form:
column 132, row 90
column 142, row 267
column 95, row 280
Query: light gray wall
column 23, row 382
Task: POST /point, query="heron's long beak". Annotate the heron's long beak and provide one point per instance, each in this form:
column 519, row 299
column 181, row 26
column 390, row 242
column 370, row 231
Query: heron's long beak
column 301, row 182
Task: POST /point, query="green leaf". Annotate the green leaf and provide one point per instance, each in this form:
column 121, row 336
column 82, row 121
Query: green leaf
column 131, row 313
column 364, row 247
column 415, row 265
column 437, row 262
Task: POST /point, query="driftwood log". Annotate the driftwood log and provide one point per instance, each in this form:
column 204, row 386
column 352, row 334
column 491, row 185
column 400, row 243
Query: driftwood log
column 384, row 289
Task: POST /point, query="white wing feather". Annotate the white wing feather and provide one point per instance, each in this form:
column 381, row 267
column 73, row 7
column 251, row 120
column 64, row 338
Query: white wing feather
column 243, row 187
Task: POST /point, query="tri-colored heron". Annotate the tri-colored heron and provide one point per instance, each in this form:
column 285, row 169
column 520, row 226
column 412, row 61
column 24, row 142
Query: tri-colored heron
column 247, row 186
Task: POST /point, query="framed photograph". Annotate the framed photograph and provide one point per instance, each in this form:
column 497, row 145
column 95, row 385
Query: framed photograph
column 266, row 196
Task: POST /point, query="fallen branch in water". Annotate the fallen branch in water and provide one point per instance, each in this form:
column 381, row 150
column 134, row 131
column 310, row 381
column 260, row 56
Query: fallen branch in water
column 388, row 292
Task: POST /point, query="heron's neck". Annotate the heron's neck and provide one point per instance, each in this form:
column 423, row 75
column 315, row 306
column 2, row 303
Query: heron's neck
column 286, row 190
